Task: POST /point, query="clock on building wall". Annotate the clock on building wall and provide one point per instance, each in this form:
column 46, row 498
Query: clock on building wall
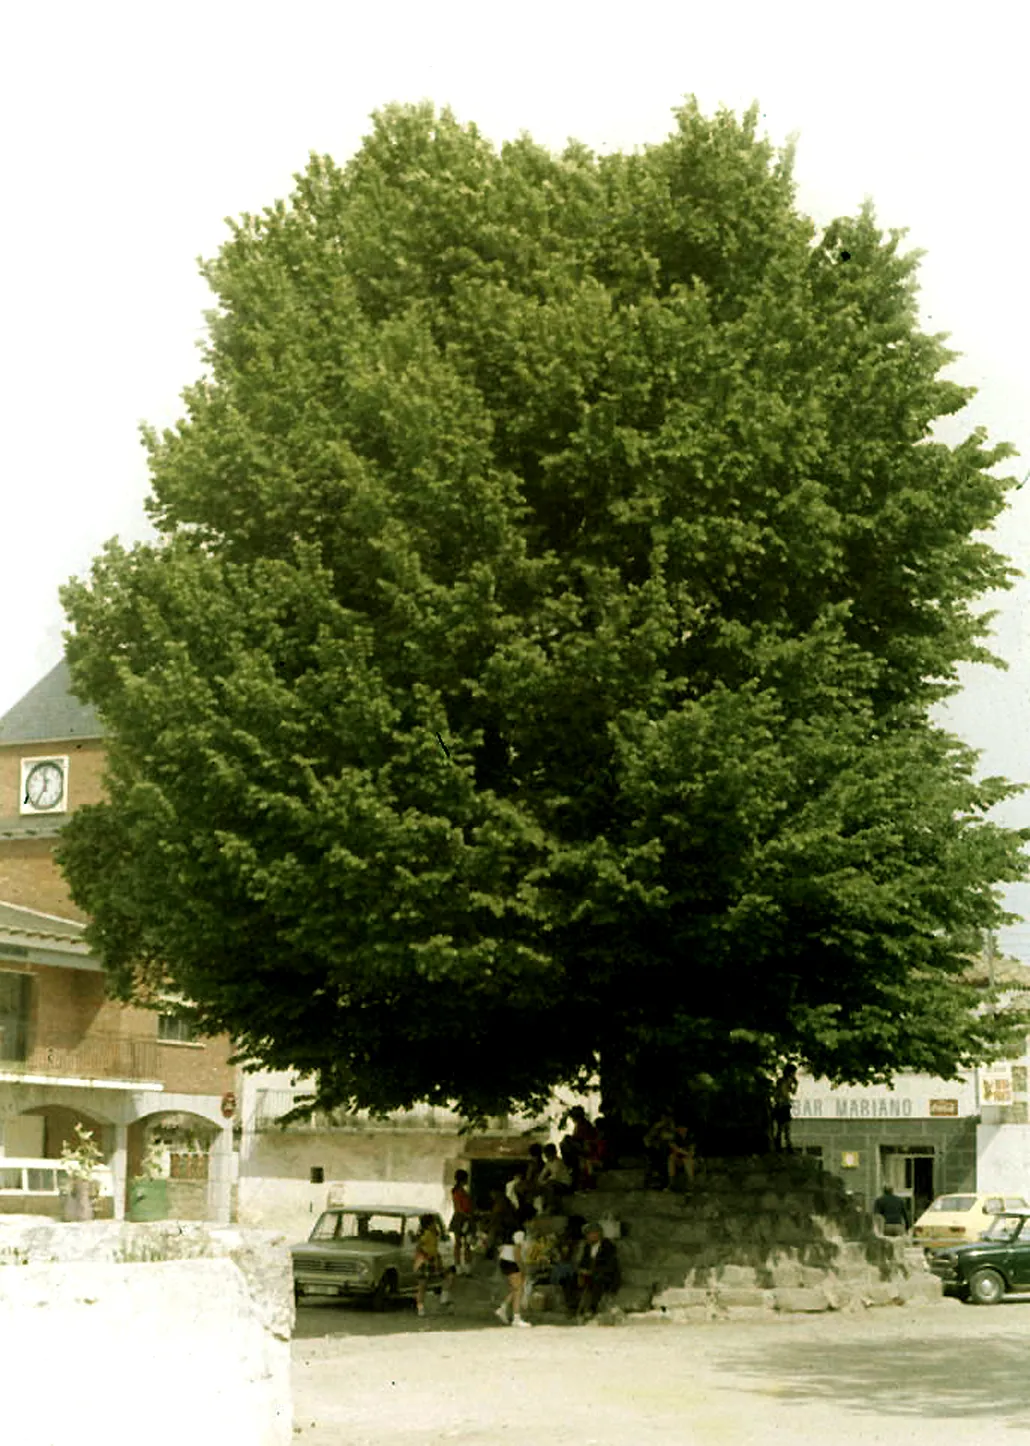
column 44, row 785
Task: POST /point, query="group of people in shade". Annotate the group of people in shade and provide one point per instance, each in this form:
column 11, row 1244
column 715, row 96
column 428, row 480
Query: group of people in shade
column 580, row 1258
column 528, row 1233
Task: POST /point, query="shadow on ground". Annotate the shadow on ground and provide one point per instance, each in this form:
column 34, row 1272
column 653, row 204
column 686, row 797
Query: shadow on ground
column 356, row 1319
column 982, row 1375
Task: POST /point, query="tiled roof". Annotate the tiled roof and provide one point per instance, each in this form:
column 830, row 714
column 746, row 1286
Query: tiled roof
column 16, row 920
column 49, row 712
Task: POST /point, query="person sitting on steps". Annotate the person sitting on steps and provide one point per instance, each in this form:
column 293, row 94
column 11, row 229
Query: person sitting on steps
column 597, row 1273
column 555, row 1181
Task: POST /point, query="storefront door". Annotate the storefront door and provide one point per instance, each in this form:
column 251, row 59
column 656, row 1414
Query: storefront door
column 909, row 1170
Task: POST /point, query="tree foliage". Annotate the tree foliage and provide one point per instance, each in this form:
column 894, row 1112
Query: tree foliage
column 534, row 672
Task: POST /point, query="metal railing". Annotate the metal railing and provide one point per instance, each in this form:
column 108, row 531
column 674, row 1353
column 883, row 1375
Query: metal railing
column 96, row 1056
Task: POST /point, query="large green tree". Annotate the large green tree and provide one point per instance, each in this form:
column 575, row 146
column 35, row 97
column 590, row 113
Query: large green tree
column 533, row 676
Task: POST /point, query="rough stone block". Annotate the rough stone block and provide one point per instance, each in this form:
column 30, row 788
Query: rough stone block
column 640, row 1276
column 677, row 1296
column 801, row 1299
column 690, row 1232
column 812, row 1276
column 634, row 1298
column 786, row 1275
column 921, row 1289
column 262, row 1256
column 733, row 1275
column 851, row 1252
column 737, row 1296
column 883, row 1293
column 649, row 1318
column 689, row 1314
column 188, row 1320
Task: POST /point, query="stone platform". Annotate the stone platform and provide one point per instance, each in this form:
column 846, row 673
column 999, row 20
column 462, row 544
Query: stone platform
column 750, row 1237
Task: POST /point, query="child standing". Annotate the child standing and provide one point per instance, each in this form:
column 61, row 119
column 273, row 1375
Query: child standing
column 463, row 1222
column 429, row 1268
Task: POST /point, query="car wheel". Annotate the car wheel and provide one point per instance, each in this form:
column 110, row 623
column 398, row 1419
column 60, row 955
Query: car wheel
column 986, row 1287
column 385, row 1291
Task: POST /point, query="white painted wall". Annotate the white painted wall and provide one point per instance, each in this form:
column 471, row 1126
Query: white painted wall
column 909, row 1097
column 1003, row 1159
column 403, row 1167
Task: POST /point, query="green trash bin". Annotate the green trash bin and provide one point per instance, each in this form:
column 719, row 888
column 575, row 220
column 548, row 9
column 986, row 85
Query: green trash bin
column 148, row 1200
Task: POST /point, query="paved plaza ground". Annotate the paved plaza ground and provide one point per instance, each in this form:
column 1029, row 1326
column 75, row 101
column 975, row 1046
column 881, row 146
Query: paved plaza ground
column 948, row 1374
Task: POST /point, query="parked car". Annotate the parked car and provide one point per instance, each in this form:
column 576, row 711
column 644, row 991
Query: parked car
column 991, row 1268
column 363, row 1250
column 958, row 1219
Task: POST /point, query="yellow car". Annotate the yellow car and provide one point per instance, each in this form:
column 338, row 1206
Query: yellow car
column 961, row 1219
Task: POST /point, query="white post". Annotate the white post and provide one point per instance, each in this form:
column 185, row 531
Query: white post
column 119, row 1169
column 219, row 1176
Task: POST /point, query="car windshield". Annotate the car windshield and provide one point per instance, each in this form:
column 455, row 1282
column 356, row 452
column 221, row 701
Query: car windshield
column 954, row 1204
column 359, row 1225
column 1008, row 1227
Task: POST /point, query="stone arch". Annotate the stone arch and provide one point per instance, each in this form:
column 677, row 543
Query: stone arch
column 187, row 1138
column 59, row 1121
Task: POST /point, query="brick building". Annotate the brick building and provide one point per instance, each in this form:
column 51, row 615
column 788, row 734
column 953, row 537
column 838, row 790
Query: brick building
column 69, row 1054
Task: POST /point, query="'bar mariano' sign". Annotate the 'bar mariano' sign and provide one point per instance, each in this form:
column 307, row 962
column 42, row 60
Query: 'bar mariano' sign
column 911, row 1098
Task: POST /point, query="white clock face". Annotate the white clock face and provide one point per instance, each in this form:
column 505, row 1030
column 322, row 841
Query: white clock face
column 44, row 785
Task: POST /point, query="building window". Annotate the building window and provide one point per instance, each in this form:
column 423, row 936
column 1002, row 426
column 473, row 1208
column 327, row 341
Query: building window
column 176, row 1029
column 15, row 993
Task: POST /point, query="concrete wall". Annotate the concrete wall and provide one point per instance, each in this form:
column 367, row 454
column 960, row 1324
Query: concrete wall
column 1004, row 1158
column 387, row 1166
column 205, row 1314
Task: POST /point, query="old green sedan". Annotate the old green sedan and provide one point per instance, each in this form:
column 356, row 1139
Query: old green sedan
column 996, row 1265
column 363, row 1250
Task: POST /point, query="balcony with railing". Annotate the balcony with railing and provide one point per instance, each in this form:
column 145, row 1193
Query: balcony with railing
column 97, row 1056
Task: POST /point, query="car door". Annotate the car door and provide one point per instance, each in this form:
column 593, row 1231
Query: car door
column 1019, row 1258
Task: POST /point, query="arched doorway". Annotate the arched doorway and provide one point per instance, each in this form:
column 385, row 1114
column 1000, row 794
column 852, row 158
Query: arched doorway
column 39, row 1134
column 169, row 1157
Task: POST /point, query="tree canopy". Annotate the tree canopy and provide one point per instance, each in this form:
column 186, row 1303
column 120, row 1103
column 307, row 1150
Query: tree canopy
column 533, row 675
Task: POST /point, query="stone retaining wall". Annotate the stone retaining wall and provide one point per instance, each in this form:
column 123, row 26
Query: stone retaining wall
column 750, row 1237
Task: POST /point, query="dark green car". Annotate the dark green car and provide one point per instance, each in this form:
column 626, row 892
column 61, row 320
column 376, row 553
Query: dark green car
column 996, row 1265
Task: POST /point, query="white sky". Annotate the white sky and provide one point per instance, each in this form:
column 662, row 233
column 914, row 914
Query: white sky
column 128, row 132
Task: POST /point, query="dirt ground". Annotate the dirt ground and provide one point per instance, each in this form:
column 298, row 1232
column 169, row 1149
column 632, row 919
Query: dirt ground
column 943, row 1373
